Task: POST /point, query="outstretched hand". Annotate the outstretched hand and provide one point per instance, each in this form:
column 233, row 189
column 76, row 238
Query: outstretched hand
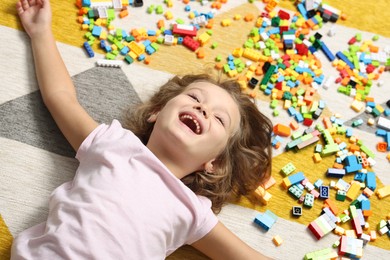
column 35, row 16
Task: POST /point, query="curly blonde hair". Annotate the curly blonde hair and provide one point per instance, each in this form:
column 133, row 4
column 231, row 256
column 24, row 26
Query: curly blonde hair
column 242, row 166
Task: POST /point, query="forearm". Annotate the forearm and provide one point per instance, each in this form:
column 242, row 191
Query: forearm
column 52, row 74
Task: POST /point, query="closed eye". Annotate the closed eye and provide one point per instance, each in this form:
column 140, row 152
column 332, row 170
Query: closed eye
column 220, row 119
column 194, row 97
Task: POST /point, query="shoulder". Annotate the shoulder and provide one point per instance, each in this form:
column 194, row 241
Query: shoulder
column 108, row 136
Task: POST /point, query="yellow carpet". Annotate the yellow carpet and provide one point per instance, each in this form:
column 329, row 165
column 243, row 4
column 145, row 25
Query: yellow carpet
column 363, row 15
column 5, row 240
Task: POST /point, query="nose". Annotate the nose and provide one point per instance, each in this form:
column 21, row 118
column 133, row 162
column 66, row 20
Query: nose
column 202, row 110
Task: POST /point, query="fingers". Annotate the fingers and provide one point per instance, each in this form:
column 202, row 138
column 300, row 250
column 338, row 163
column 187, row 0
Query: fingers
column 20, row 7
column 25, row 4
column 32, row 2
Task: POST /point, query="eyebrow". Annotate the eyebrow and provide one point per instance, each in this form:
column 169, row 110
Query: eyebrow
column 223, row 110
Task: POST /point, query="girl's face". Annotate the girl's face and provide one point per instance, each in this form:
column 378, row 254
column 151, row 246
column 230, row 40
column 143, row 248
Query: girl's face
column 193, row 128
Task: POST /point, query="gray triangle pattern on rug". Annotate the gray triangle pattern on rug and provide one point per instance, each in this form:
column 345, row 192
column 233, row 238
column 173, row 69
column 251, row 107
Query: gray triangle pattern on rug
column 105, row 93
column 365, row 116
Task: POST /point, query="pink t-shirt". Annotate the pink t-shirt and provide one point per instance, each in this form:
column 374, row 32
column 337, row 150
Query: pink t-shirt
column 122, row 204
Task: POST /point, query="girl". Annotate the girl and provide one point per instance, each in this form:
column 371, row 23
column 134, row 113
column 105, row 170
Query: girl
column 143, row 193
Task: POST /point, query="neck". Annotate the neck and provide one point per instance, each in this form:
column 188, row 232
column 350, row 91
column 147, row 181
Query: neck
column 178, row 170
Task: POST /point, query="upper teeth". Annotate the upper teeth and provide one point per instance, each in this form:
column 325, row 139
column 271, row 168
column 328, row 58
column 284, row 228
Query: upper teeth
column 195, row 121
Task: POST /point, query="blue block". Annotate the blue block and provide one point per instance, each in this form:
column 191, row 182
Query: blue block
column 265, row 220
column 86, row 3
column 327, row 52
column 371, row 181
column 349, row 132
column 318, row 183
column 342, row 57
column 324, row 192
column 151, row 32
column 180, row 40
column 296, row 178
column 150, row 50
column 124, row 50
column 96, row 31
column 299, row 117
column 146, row 43
column 291, row 111
column 359, row 176
column 365, row 205
column 89, row 50
column 302, row 10
column 386, row 112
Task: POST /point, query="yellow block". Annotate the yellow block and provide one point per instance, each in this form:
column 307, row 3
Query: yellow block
column 5, row 240
column 353, row 191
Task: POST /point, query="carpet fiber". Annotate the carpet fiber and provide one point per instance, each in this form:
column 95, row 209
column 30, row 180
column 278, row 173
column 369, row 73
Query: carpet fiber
column 35, row 158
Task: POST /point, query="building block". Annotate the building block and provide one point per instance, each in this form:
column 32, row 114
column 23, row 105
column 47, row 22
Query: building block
column 326, row 253
column 332, row 206
column 282, row 130
column 321, row 226
column 184, row 30
column 324, row 192
column 297, row 211
column 296, row 191
column 371, row 181
column 334, row 172
column 277, row 240
column 265, row 220
column 383, row 192
column 351, row 247
column 353, row 191
column 341, row 195
column 262, row 195
column 88, row 49
column 309, row 200
column 288, row 169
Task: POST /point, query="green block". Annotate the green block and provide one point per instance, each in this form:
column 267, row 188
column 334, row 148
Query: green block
column 180, row 21
column 341, row 195
column 110, row 56
column 275, row 112
column 131, row 38
column 358, row 37
column 129, row 59
column 274, row 103
column 367, row 151
column 110, row 14
column 159, row 9
column 288, row 168
column 154, row 46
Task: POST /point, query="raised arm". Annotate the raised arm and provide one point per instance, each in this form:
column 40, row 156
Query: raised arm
column 221, row 243
column 55, row 84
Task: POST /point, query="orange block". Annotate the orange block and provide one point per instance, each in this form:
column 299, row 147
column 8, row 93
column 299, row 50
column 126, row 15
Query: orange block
column 332, row 206
column 381, row 147
column 249, row 17
column 282, row 130
column 201, row 54
column 294, row 125
column 338, row 166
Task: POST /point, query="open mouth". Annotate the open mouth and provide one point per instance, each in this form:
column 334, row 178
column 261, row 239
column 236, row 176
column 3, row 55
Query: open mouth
column 191, row 123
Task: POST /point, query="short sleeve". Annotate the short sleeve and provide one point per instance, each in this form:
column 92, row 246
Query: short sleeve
column 107, row 134
column 207, row 220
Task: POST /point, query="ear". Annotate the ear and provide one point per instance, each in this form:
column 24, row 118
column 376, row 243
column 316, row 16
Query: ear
column 152, row 118
column 209, row 166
